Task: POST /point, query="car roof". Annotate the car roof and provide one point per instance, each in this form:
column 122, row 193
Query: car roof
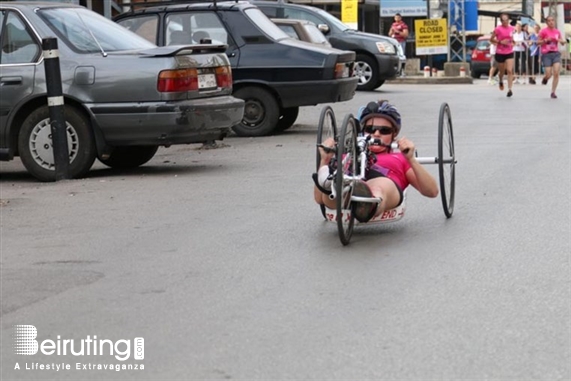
column 282, row 4
column 38, row 4
column 141, row 8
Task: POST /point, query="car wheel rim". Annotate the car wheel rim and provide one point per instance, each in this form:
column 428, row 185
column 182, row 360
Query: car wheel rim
column 253, row 113
column 363, row 71
column 41, row 144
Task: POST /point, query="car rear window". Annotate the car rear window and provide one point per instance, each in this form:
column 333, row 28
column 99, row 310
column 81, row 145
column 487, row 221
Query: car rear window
column 265, row 24
column 88, row 32
column 144, row 26
column 290, row 30
column 192, row 27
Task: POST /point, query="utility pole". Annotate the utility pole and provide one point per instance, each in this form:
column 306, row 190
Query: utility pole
column 552, row 9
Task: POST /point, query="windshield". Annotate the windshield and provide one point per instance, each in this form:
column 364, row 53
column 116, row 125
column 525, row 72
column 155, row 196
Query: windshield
column 265, row 24
column 333, row 20
column 76, row 25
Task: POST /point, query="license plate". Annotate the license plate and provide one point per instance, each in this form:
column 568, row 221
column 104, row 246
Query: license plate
column 206, row 81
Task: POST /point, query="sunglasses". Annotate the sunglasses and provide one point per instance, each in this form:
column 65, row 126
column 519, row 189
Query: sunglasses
column 384, row 130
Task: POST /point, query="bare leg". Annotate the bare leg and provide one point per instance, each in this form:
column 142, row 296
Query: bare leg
column 387, row 190
column 502, row 70
column 556, row 70
column 547, row 74
column 510, row 70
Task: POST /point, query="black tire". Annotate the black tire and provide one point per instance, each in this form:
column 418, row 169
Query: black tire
column 287, row 118
column 368, row 73
column 327, row 128
column 129, row 156
column 261, row 112
column 446, row 160
column 346, row 166
column 35, row 145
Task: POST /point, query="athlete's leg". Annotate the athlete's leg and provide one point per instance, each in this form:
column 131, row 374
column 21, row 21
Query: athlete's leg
column 387, row 190
column 501, row 71
column 323, row 199
column 547, row 75
column 510, row 70
column 555, row 69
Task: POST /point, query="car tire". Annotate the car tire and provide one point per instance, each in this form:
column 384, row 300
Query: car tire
column 287, row 118
column 261, row 112
column 35, row 144
column 367, row 71
column 129, row 156
column 475, row 74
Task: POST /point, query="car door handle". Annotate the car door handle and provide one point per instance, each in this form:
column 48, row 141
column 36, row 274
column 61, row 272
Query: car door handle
column 7, row 81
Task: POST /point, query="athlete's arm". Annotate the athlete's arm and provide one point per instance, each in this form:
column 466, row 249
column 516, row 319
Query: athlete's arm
column 417, row 175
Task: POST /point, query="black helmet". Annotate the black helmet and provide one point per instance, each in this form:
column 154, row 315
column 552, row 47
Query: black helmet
column 381, row 109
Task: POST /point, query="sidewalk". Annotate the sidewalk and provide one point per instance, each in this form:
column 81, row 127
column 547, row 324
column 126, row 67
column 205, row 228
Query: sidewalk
column 420, row 79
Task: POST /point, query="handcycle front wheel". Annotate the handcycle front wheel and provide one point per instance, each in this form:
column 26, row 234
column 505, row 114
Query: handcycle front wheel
column 327, row 128
column 345, row 177
column 446, row 160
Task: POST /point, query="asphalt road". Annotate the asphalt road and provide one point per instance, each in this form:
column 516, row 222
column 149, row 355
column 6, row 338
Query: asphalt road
column 220, row 260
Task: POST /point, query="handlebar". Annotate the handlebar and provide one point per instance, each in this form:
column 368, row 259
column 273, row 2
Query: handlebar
column 378, row 142
column 368, row 141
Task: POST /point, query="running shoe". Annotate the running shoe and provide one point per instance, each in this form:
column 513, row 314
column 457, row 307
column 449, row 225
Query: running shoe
column 544, row 81
column 532, row 81
column 509, row 94
column 501, row 86
column 363, row 211
column 553, row 96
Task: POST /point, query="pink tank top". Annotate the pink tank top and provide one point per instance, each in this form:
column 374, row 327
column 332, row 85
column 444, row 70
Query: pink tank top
column 553, row 35
column 504, row 33
column 394, row 166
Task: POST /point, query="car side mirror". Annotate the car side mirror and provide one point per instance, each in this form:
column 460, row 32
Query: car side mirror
column 323, row 28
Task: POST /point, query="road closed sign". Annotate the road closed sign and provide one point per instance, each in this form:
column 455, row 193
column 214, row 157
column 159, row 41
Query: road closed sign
column 431, row 36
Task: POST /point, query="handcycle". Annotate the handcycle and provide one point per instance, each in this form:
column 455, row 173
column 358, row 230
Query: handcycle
column 351, row 160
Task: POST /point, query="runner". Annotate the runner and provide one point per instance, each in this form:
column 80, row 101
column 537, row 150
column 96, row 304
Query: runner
column 502, row 36
column 550, row 55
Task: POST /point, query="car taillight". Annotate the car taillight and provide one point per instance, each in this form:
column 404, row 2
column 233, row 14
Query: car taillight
column 224, row 76
column 177, row 80
column 342, row 70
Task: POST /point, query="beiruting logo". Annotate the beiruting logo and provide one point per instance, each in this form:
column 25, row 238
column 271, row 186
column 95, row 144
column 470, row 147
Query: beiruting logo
column 25, row 343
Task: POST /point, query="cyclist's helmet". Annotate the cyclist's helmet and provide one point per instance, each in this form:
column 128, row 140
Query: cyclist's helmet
column 381, row 109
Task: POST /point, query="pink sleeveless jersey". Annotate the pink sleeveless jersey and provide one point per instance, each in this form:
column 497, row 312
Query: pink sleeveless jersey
column 394, row 166
column 553, row 35
column 504, row 33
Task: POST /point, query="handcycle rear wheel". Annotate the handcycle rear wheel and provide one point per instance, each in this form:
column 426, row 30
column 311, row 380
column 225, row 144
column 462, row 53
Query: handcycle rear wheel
column 327, row 128
column 344, row 178
column 446, row 160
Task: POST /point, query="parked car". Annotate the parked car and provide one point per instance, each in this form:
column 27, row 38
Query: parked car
column 481, row 57
column 123, row 96
column 273, row 73
column 377, row 57
column 302, row 30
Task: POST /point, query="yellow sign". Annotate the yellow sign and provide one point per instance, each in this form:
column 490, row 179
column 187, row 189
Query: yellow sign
column 349, row 13
column 431, row 36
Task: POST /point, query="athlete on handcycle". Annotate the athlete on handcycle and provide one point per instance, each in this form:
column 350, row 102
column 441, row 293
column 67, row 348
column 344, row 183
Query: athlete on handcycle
column 388, row 173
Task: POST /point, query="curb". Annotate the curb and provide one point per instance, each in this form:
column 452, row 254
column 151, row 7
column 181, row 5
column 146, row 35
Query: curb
column 417, row 80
